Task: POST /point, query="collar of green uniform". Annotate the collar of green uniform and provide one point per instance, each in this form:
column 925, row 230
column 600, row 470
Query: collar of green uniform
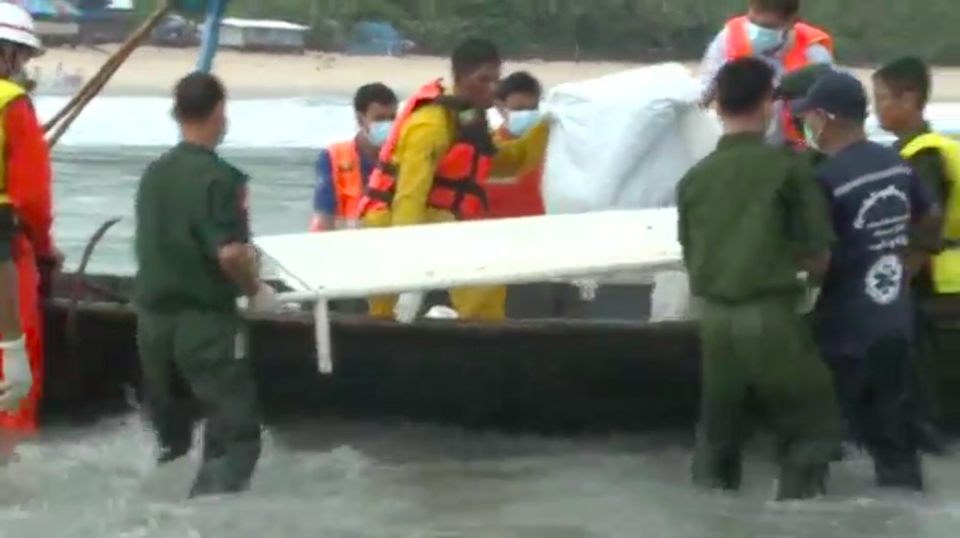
column 740, row 139
column 907, row 138
column 196, row 147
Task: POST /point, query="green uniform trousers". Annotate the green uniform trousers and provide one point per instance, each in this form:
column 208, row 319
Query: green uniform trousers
column 760, row 361
column 192, row 358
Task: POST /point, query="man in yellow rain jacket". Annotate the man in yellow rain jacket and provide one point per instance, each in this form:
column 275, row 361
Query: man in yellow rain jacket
column 435, row 163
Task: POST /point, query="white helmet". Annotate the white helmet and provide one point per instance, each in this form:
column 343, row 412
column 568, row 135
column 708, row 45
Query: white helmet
column 16, row 26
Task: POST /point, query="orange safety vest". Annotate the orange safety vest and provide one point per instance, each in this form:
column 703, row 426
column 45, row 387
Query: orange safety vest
column 519, row 198
column 458, row 182
column 804, row 36
column 347, row 182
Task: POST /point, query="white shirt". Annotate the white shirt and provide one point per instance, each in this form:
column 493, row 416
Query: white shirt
column 716, row 55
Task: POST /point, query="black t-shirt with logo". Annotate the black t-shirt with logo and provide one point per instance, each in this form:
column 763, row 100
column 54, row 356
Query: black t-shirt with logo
column 874, row 197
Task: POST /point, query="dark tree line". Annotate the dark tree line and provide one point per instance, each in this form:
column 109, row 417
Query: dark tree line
column 865, row 30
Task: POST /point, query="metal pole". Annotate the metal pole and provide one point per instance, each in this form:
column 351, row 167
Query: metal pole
column 211, row 35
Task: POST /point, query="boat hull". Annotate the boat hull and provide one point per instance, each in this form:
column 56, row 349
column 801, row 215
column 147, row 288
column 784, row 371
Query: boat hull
column 541, row 375
column 551, row 376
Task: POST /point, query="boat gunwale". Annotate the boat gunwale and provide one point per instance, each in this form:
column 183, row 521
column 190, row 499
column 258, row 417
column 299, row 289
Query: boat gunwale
column 361, row 321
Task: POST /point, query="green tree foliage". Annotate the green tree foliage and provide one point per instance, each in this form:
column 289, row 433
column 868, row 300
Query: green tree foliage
column 865, row 30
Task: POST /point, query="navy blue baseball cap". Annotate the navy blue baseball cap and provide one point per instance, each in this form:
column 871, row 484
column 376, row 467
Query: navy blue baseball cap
column 837, row 93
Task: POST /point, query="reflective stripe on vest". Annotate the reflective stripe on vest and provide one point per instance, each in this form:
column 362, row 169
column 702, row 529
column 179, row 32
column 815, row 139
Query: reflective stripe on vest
column 946, row 265
column 458, row 183
column 347, row 178
column 803, row 37
column 9, row 92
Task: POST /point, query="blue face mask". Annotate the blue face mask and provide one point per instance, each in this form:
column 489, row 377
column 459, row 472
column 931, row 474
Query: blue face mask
column 520, row 121
column 764, row 39
column 378, row 132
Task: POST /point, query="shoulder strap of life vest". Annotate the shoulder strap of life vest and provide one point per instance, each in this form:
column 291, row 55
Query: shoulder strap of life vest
column 380, row 186
column 737, row 38
column 345, row 165
column 805, row 35
column 343, row 158
column 427, row 93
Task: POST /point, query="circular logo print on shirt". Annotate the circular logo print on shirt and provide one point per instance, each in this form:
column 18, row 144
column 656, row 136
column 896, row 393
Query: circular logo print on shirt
column 884, row 279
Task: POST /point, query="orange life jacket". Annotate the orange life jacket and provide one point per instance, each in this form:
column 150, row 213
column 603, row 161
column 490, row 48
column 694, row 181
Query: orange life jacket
column 804, row 36
column 458, row 182
column 347, row 183
column 518, row 198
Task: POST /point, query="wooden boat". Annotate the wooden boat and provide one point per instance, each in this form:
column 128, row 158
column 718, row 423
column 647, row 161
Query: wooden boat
column 561, row 365
column 561, row 375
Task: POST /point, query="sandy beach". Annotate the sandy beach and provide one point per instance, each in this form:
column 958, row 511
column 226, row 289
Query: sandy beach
column 152, row 71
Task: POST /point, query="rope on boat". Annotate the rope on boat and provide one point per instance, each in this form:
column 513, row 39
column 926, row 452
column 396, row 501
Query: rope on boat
column 81, row 273
column 71, row 111
column 76, row 296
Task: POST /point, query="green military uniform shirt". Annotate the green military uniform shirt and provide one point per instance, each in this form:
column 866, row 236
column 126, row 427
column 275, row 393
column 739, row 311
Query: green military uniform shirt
column 189, row 204
column 746, row 212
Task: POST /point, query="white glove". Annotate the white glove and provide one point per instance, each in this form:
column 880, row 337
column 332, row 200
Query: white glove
column 588, row 288
column 408, row 305
column 265, row 300
column 17, row 377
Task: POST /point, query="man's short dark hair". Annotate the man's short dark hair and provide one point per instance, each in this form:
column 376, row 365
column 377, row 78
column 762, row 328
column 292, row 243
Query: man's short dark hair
column 786, row 8
column 519, row 82
column 472, row 54
column 197, row 95
column 376, row 92
column 743, row 84
column 907, row 74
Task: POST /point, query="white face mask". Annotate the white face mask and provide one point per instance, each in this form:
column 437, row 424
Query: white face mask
column 520, row 121
column 378, row 132
column 813, row 134
column 765, row 40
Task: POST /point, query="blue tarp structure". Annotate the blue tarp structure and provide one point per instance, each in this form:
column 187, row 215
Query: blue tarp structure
column 377, row 38
column 48, row 8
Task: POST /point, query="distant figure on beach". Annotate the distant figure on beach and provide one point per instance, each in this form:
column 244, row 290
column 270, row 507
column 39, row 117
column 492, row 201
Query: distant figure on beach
column 771, row 30
column 343, row 168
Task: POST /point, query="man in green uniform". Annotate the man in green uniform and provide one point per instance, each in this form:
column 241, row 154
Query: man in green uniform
column 750, row 218
column 901, row 90
column 193, row 262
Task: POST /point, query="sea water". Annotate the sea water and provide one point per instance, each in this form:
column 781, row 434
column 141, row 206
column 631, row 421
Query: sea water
column 324, row 479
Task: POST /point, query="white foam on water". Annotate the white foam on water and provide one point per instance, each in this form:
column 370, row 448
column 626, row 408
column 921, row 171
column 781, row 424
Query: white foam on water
column 374, row 481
